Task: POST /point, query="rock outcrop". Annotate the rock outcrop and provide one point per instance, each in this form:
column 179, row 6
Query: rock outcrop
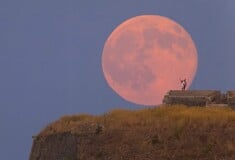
column 59, row 146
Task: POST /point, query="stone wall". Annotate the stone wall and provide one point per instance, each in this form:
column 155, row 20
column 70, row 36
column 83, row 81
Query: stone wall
column 231, row 98
column 193, row 97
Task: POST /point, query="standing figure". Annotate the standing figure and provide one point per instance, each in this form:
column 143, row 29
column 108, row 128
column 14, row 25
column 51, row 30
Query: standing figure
column 183, row 84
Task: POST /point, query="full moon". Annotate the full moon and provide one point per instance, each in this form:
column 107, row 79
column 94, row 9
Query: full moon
column 146, row 56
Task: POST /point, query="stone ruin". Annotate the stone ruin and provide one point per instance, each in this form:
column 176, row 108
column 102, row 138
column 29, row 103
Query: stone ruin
column 199, row 98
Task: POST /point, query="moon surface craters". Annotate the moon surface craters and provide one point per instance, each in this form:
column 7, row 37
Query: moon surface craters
column 145, row 56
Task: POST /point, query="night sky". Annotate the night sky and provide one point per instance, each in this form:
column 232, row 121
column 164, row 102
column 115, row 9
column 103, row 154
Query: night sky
column 50, row 58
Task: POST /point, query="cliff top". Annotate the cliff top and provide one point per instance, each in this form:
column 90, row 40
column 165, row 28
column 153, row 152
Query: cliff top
column 121, row 119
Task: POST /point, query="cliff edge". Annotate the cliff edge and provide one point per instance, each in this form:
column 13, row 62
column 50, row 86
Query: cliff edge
column 163, row 133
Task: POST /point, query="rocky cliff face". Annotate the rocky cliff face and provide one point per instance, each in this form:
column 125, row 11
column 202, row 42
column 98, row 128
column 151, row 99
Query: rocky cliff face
column 60, row 146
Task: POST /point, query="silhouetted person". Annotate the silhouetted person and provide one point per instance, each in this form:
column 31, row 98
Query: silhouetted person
column 183, row 84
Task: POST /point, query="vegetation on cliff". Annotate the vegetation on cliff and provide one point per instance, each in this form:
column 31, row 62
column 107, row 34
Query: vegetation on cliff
column 175, row 132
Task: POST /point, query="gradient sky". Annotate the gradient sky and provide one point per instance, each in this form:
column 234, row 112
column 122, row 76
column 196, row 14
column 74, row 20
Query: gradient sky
column 50, row 58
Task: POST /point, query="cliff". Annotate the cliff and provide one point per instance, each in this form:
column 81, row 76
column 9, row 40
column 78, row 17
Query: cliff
column 174, row 133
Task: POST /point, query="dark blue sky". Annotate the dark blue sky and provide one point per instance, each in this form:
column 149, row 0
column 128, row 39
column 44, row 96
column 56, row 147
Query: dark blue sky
column 50, row 58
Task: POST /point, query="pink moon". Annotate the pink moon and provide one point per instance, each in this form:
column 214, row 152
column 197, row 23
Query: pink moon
column 146, row 56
